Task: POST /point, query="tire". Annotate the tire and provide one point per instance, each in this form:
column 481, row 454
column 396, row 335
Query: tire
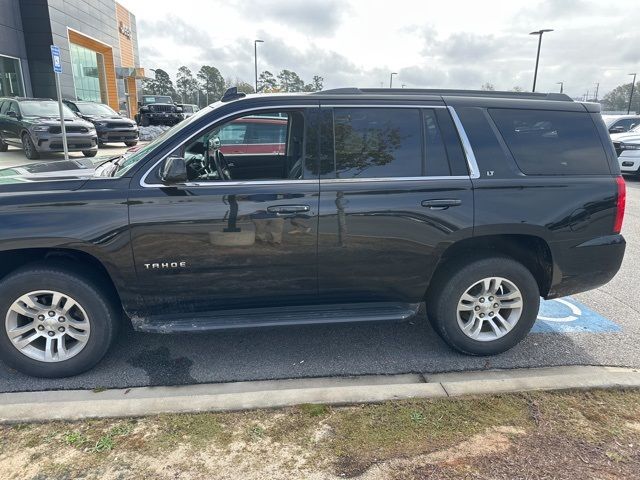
column 131, row 144
column 145, row 121
column 89, row 153
column 29, row 148
column 462, row 277
column 3, row 146
column 91, row 304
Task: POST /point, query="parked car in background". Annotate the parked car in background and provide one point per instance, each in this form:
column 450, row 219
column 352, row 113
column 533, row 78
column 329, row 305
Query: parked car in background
column 620, row 123
column 627, row 146
column 33, row 124
column 475, row 204
column 158, row 110
column 188, row 109
column 110, row 126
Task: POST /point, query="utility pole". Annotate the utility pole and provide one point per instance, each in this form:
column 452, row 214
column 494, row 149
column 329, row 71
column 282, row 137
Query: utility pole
column 539, row 33
column 597, row 88
column 391, row 79
column 633, row 84
column 255, row 59
column 561, row 86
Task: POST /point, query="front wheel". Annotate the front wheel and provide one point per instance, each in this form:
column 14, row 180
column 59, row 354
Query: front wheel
column 29, row 148
column 55, row 322
column 131, row 144
column 484, row 307
column 89, row 153
column 3, row 146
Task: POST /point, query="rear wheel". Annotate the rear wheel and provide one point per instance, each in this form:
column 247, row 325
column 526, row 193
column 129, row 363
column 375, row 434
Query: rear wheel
column 54, row 322
column 89, row 153
column 29, row 148
column 485, row 306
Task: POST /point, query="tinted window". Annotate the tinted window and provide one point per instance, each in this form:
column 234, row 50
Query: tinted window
column 264, row 132
column 377, row 142
column 546, row 142
column 4, row 105
column 437, row 162
column 13, row 107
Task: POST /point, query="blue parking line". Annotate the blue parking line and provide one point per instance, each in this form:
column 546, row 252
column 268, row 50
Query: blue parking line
column 566, row 315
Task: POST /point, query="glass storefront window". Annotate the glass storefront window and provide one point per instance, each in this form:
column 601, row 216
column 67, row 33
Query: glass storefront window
column 88, row 74
column 11, row 84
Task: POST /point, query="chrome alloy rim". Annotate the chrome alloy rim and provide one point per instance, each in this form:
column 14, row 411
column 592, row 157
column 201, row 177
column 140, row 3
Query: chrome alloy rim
column 489, row 309
column 47, row 326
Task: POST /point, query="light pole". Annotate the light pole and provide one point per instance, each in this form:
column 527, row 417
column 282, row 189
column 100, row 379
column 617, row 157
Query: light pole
column 255, row 58
column 633, row 84
column 539, row 33
column 597, row 89
column 391, row 79
column 561, row 86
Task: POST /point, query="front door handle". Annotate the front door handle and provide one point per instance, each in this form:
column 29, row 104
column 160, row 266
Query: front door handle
column 288, row 209
column 441, row 204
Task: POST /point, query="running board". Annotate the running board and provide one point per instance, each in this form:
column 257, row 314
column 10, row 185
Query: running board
column 279, row 316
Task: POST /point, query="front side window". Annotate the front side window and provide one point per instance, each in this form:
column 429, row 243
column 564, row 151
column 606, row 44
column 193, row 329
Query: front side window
column 545, row 142
column 377, row 142
column 249, row 148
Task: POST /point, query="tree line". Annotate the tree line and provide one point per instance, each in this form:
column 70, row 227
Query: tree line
column 208, row 84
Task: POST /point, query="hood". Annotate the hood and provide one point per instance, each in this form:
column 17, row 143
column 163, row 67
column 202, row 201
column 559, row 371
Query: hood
column 76, row 169
column 627, row 137
column 56, row 121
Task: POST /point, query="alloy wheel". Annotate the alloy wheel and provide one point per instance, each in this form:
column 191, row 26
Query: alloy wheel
column 489, row 309
column 47, row 326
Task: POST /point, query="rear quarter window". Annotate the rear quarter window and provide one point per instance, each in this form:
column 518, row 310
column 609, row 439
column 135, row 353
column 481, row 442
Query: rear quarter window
column 546, row 142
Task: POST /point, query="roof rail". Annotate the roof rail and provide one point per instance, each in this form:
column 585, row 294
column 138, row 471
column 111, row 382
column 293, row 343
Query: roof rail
column 446, row 92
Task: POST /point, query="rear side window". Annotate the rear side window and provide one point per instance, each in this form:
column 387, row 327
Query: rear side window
column 377, row 142
column 545, row 142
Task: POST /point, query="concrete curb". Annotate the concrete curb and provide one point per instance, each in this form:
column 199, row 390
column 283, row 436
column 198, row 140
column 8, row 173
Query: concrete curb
column 80, row 404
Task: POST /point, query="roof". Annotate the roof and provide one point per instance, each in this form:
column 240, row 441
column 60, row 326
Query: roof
column 26, row 99
column 446, row 92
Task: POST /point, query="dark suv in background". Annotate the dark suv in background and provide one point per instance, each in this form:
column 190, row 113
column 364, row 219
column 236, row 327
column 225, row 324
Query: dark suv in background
column 158, row 110
column 371, row 203
column 33, row 124
column 111, row 126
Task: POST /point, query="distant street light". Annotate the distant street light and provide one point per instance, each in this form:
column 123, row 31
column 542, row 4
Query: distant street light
column 391, row 79
column 633, row 84
column 539, row 33
column 255, row 58
column 561, row 86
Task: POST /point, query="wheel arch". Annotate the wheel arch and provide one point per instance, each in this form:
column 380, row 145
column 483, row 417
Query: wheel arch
column 530, row 250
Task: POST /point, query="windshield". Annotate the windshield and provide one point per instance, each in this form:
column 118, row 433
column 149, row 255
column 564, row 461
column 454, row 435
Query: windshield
column 94, row 109
column 44, row 108
column 131, row 159
column 156, row 99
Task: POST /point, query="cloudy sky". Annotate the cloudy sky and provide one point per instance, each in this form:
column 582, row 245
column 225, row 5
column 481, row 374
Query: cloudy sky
column 454, row 44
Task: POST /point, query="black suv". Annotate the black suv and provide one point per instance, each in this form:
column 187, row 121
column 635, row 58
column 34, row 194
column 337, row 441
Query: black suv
column 33, row 124
column 158, row 110
column 477, row 203
column 111, row 126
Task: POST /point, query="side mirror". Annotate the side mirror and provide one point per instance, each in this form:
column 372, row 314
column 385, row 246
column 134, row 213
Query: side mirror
column 12, row 114
column 618, row 129
column 173, row 170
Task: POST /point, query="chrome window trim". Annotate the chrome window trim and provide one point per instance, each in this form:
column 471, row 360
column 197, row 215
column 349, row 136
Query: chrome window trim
column 474, row 171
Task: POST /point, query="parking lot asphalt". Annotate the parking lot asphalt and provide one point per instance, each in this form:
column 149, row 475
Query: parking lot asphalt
column 14, row 157
column 611, row 337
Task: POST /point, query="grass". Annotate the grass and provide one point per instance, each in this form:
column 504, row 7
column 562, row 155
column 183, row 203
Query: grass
column 344, row 441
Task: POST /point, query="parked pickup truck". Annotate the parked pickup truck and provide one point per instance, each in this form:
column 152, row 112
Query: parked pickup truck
column 368, row 204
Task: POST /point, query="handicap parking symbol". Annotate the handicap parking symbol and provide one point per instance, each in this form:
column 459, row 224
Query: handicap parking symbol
column 566, row 315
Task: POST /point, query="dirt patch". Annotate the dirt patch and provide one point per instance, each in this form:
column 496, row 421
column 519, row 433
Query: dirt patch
column 566, row 435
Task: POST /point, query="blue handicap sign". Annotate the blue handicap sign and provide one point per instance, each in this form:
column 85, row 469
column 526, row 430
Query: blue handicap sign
column 566, row 315
column 55, row 58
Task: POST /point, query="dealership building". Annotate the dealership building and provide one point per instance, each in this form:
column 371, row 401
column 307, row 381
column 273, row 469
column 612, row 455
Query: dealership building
column 98, row 47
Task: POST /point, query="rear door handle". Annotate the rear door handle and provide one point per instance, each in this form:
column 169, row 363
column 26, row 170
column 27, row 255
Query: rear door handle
column 288, row 209
column 441, row 204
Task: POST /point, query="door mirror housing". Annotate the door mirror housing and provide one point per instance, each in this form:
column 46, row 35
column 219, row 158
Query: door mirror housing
column 12, row 114
column 618, row 129
column 173, row 171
